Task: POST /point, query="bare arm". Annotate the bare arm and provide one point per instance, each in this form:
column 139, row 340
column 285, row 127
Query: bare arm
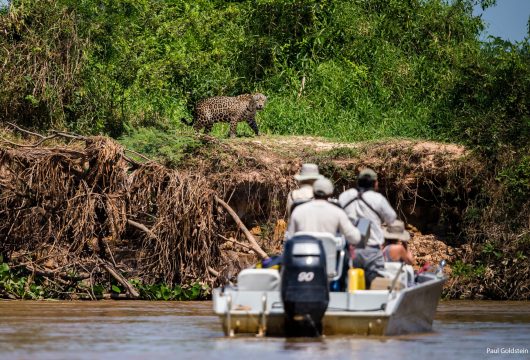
column 406, row 256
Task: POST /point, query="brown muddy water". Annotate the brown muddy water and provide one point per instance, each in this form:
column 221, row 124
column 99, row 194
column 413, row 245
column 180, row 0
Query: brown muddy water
column 189, row 330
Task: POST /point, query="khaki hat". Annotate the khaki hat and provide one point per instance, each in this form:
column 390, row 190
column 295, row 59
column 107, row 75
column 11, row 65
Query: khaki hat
column 323, row 187
column 396, row 231
column 308, row 172
column 369, row 173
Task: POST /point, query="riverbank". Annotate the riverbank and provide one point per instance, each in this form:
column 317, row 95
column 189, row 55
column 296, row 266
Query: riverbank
column 84, row 214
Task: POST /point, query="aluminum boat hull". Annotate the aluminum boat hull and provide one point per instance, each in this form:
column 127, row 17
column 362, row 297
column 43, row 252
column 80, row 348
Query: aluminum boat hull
column 364, row 312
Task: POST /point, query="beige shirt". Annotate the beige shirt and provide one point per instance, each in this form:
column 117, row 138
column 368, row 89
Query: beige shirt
column 322, row 216
column 304, row 193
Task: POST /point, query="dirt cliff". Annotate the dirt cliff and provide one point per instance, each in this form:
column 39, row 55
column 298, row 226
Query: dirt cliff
column 76, row 210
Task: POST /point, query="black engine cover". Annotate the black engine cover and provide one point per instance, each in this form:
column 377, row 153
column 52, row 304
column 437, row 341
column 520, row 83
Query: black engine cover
column 305, row 289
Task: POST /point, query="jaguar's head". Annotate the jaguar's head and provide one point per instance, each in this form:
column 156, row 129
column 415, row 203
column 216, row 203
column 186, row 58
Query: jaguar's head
column 260, row 100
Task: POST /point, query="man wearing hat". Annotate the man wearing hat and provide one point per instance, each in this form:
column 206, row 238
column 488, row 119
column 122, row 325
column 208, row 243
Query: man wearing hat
column 365, row 202
column 396, row 239
column 307, row 176
column 320, row 215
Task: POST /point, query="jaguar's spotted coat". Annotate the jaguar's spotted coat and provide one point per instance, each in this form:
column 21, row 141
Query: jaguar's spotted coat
column 227, row 109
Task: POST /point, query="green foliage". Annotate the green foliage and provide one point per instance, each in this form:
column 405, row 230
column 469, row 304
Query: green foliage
column 167, row 147
column 41, row 60
column 490, row 102
column 371, row 69
column 16, row 283
column 489, row 249
column 466, row 270
column 516, row 177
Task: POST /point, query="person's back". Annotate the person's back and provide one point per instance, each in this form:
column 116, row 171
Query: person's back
column 299, row 196
column 397, row 253
column 373, row 206
column 319, row 215
column 365, row 202
column 307, row 176
column 396, row 240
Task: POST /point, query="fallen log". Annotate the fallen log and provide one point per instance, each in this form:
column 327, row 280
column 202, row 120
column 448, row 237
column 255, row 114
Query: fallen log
column 213, row 272
column 253, row 243
column 131, row 291
column 235, row 242
column 106, row 296
column 143, row 228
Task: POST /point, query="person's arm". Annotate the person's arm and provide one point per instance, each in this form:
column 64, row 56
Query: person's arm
column 350, row 232
column 385, row 210
column 291, row 227
column 406, row 256
column 289, row 203
column 342, row 198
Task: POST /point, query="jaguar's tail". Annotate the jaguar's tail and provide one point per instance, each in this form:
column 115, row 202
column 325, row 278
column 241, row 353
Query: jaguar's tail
column 189, row 123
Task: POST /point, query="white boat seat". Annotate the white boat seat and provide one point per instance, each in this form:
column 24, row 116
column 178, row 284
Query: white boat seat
column 406, row 278
column 259, row 280
column 334, row 250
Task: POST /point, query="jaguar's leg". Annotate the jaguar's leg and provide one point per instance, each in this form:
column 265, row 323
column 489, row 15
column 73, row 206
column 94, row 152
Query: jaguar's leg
column 233, row 128
column 208, row 128
column 197, row 125
column 251, row 121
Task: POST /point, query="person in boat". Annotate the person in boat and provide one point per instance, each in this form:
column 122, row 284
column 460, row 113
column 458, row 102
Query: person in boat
column 396, row 240
column 366, row 202
column 307, row 176
column 319, row 215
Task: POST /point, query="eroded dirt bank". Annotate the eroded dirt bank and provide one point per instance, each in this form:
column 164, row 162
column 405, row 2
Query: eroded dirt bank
column 87, row 214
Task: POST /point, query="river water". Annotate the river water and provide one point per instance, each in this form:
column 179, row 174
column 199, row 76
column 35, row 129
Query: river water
column 189, row 330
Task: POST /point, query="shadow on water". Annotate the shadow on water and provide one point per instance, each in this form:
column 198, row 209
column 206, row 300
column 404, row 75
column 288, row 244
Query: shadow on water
column 189, row 330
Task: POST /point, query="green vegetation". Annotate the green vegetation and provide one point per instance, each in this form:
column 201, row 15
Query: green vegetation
column 22, row 284
column 344, row 69
column 167, row 147
column 19, row 284
column 369, row 69
column 351, row 70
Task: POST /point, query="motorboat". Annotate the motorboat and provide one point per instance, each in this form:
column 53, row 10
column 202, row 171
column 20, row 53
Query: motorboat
column 297, row 300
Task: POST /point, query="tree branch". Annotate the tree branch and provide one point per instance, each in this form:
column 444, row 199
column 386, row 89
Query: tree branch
column 114, row 273
column 253, row 243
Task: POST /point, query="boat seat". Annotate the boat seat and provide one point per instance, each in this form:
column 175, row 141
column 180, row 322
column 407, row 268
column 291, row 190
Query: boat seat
column 406, row 278
column 259, row 280
column 334, row 250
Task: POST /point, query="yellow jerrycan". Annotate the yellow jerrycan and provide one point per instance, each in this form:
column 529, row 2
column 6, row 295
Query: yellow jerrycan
column 356, row 279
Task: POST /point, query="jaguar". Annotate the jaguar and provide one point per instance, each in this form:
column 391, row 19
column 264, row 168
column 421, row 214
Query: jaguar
column 230, row 109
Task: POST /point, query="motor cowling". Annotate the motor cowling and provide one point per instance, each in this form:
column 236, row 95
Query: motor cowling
column 304, row 289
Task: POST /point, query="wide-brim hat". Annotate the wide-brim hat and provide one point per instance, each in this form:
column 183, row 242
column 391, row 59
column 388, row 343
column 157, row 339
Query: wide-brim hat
column 308, row 172
column 396, row 231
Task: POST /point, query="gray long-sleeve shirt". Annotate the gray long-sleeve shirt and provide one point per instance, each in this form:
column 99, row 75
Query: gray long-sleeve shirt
column 322, row 216
column 358, row 209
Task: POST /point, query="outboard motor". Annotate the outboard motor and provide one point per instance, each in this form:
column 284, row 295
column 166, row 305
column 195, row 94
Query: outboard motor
column 305, row 290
